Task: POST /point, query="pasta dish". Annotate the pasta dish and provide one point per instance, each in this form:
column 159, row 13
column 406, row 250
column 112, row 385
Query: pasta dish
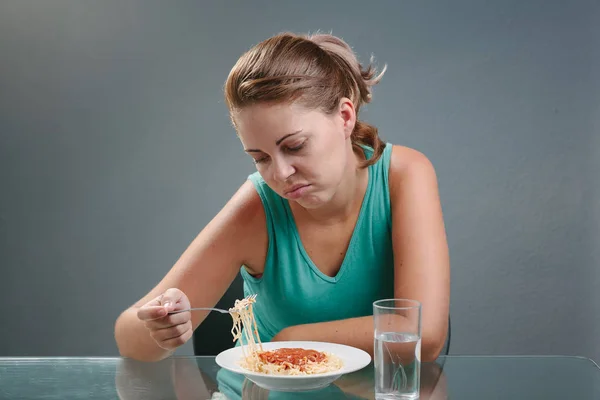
column 283, row 361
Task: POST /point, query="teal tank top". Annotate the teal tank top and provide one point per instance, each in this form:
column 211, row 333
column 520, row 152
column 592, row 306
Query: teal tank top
column 293, row 291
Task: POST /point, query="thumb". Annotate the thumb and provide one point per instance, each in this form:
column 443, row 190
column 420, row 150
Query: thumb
column 169, row 298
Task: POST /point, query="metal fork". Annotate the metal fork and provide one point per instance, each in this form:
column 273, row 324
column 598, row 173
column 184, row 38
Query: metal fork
column 251, row 297
column 200, row 308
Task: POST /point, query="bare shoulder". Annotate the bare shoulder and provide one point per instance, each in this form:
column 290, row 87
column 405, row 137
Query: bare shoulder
column 245, row 203
column 409, row 167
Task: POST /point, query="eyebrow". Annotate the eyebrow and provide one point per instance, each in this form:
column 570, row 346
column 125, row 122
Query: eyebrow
column 278, row 142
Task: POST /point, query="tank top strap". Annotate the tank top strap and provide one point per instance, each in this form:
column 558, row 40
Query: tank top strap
column 278, row 228
column 380, row 188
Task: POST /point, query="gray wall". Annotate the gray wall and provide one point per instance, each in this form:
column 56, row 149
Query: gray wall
column 116, row 149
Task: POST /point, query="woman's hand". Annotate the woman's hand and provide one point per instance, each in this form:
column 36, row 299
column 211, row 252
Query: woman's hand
column 168, row 331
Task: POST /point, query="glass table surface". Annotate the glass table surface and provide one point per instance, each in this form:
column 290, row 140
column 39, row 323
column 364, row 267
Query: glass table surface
column 180, row 377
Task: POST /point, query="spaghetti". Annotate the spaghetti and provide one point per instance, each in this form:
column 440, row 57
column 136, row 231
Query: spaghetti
column 242, row 314
column 283, row 361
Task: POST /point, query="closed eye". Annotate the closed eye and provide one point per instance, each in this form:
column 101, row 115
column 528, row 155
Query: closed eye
column 296, row 148
column 289, row 149
column 260, row 160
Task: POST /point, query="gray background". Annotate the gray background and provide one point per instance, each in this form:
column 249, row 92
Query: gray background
column 116, row 149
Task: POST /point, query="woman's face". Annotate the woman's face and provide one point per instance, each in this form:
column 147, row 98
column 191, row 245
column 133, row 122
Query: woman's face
column 301, row 153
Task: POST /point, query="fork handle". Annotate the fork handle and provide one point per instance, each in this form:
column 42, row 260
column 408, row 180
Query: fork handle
column 200, row 308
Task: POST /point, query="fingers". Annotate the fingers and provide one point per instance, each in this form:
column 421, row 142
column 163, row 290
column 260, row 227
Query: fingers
column 170, row 298
column 172, row 332
column 173, row 337
column 168, row 321
column 148, row 313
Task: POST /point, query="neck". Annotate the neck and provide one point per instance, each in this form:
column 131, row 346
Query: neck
column 348, row 197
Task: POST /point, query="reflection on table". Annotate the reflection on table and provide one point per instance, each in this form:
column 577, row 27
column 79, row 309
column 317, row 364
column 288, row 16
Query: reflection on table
column 180, row 378
column 189, row 378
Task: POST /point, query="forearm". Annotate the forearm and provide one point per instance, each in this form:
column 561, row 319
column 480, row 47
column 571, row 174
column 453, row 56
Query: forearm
column 134, row 340
column 357, row 332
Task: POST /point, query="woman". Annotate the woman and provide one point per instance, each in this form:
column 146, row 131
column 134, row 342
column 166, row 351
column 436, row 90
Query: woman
column 332, row 220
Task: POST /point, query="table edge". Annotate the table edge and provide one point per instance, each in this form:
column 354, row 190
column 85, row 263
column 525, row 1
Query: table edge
column 117, row 358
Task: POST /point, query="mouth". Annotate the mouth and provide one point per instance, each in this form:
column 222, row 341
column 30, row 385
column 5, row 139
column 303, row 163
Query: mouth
column 296, row 190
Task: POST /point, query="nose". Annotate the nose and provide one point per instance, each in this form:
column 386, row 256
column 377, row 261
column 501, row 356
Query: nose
column 282, row 169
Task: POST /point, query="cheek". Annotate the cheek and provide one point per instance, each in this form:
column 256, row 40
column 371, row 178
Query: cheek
column 267, row 175
column 330, row 169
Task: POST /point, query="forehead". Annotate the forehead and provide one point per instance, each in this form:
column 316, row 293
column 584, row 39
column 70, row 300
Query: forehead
column 272, row 120
column 266, row 115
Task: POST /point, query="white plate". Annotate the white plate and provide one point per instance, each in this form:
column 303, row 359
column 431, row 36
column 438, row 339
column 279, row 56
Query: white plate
column 353, row 360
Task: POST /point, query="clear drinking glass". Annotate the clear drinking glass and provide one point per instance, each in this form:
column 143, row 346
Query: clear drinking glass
column 397, row 356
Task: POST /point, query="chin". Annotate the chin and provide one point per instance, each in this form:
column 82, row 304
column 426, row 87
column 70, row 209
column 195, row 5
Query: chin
column 309, row 205
column 311, row 202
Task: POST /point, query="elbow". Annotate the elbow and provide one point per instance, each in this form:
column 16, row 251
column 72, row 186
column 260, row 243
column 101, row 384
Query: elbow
column 430, row 352
column 429, row 355
column 117, row 335
column 121, row 342
column 433, row 341
column 137, row 354
column 143, row 357
column 130, row 346
column 432, row 346
column 126, row 354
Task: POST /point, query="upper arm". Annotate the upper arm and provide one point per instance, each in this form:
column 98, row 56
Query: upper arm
column 421, row 259
column 208, row 266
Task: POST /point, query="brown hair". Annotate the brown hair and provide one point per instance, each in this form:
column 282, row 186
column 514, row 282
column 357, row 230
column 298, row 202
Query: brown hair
column 314, row 70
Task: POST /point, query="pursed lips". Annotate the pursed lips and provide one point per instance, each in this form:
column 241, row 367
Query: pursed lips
column 294, row 188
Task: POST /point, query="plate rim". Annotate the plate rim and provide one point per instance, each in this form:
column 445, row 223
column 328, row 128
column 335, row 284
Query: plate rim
column 289, row 343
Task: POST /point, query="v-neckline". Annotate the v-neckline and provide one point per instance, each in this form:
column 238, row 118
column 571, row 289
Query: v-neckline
column 353, row 238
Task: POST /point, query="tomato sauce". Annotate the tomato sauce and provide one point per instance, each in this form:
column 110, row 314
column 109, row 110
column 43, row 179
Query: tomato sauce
column 288, row 357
